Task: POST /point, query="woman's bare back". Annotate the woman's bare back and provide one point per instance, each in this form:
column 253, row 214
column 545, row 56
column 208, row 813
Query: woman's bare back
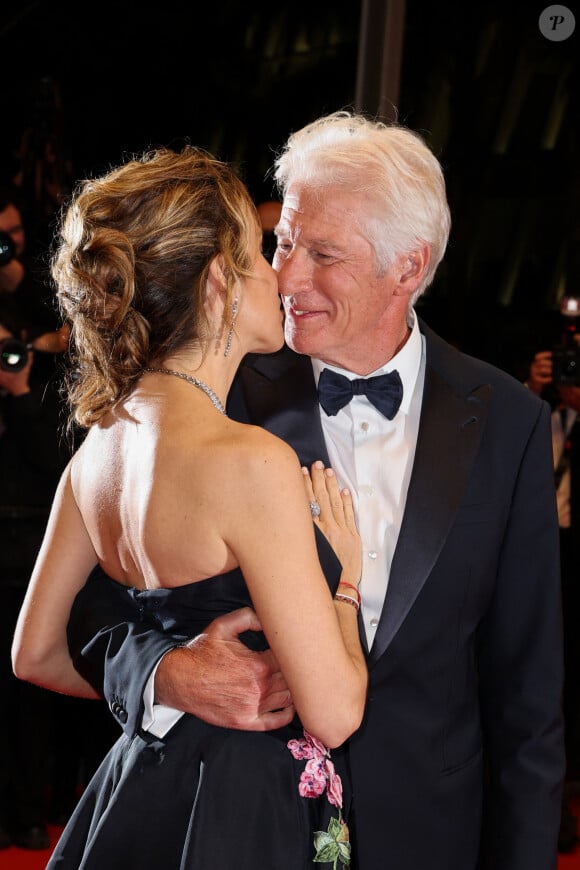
column 132, row 465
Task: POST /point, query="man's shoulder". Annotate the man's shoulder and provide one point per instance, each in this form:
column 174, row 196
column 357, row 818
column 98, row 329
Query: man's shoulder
column 463, row 368
column 274, row 365
column 266, row 384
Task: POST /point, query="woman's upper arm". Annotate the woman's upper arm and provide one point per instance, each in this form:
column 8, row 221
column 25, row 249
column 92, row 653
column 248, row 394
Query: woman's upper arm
column 62, row 566
column 273, row 537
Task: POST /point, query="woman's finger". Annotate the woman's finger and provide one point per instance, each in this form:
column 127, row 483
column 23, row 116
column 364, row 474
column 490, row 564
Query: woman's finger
column 348, row 508
column 313, row 503
column 318, row 483
column 307, row 484
column 334, row 495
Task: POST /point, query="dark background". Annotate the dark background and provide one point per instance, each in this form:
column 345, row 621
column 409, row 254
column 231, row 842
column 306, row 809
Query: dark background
column 495, row 99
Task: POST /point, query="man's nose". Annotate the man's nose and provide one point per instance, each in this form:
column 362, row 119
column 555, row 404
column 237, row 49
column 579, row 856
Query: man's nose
column 293, row 275
column 284, row 275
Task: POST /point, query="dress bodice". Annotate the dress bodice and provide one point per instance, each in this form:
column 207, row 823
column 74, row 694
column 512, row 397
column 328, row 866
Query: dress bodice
column 188, row 609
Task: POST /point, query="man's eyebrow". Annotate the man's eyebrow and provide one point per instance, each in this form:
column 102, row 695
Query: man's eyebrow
column 324, row 243
column 283, row 228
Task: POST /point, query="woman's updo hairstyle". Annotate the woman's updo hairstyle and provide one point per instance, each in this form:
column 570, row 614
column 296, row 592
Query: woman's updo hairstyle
column 131, row 263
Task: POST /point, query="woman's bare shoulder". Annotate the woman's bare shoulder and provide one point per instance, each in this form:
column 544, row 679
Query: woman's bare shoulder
column 258, row 446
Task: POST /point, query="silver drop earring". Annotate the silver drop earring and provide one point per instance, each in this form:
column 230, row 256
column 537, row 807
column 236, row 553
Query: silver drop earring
column 231, row 330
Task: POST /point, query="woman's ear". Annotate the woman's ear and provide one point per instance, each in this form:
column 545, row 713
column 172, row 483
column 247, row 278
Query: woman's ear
column 216, row 272
column 215, row 290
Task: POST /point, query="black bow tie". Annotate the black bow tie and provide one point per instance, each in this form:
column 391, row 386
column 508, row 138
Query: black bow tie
column 384, row 391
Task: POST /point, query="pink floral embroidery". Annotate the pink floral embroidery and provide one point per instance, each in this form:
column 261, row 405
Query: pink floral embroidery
column 334, row 787
column 318, row 776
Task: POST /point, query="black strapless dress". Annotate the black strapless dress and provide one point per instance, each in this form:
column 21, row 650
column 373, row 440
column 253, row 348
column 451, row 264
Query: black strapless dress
column 203, row 797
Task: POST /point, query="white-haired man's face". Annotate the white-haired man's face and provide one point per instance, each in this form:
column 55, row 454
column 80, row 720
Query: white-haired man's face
column 338, row 307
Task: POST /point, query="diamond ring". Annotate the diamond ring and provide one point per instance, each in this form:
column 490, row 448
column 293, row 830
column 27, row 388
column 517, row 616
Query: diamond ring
column 314, row 508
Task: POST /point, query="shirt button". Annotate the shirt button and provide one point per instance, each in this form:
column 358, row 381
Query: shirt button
column 366, row 490
column 372, row 554
column 374, row 622
column 364, row 426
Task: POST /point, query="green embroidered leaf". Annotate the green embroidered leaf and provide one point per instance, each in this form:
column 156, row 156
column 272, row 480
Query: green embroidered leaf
column 344, row 853
column 328, row 853
column 332, row 845
column 321, row 839
column 334, row 828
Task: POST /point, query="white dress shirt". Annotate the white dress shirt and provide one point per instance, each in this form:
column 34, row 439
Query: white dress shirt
column 373, row 457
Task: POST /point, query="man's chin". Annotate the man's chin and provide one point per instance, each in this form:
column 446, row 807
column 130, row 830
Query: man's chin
column 301, row 341
column 300, row 346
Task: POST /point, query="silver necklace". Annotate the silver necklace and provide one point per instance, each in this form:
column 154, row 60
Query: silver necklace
column 195, row 382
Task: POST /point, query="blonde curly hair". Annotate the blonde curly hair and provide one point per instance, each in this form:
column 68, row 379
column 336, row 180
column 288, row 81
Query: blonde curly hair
column 130, row 266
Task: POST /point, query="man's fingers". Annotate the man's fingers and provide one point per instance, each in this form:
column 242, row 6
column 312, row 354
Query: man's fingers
column 276, row 701
column 277, row 719
column 234, row 623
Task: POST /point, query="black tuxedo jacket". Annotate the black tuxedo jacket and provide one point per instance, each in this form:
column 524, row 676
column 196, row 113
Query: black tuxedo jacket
column 459, row 761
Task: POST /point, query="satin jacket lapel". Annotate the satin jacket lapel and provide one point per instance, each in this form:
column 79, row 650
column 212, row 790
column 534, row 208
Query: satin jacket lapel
column 452, row 421
column 279, row 394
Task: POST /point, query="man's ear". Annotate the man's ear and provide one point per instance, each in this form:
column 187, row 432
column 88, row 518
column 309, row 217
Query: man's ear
column 410, row 270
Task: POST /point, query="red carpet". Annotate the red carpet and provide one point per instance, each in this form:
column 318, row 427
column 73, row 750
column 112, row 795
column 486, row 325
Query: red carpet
column 570, row 861
column 28, row 859
column 22, row 859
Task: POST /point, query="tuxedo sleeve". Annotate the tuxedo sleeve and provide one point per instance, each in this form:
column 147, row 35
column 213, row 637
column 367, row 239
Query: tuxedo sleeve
column 115, row 650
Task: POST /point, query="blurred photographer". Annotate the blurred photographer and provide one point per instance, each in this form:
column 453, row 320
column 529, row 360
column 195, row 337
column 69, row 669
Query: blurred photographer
column 31, row 459
column 25, row 295
column 32, row 456
column 49, row 744
column 555, row 375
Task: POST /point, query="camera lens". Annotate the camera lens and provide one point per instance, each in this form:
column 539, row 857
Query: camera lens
column 7, row 249
column 13, row 355
column 570, row 368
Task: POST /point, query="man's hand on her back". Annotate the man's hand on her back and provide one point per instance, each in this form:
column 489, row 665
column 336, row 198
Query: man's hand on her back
column 218, row 679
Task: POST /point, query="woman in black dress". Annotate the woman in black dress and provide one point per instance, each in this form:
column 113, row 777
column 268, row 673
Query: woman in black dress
column 190, row 515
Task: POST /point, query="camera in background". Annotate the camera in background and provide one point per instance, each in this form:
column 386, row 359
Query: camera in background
column 7, row 248
column 566, row 355
column 13, row 354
